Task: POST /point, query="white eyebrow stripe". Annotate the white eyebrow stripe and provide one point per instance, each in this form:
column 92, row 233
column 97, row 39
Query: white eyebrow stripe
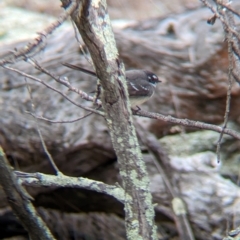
column 134, row 86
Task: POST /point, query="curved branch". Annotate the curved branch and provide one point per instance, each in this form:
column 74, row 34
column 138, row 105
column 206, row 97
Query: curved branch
column 45, row 180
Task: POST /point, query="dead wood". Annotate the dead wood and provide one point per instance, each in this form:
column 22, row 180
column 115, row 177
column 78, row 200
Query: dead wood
column 191, row 58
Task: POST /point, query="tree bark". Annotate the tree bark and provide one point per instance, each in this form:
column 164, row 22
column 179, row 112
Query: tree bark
column 93, row 23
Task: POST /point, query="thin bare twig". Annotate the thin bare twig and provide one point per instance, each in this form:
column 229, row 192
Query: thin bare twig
column 39, row 43
column 225, row 14
column 52, row 163
column 216, row 14
column 54, row 89
column 187, row 123
column 84, row 51
column 229, row 21
column 227, row 7
column 52, row 121
column 65, row 82
column 236, row 77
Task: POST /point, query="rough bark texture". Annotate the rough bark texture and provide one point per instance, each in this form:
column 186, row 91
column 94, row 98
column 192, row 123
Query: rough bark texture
column 191, row 58
column 93, row 23
column 19, row 200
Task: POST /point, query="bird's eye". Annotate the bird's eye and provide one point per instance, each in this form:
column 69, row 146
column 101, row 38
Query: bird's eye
column 152, row 77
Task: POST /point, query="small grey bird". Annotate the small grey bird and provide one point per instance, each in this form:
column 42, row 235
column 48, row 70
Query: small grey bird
column 141, row 83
